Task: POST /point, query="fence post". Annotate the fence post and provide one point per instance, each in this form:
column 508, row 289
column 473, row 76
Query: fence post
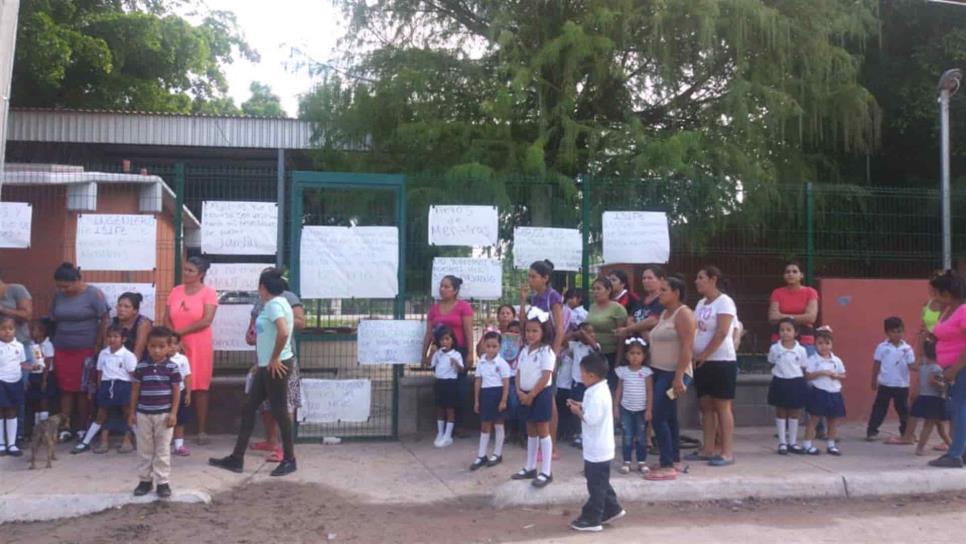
column 809, row 233
column 178, row 219
column 280, row 203
column 585, row 235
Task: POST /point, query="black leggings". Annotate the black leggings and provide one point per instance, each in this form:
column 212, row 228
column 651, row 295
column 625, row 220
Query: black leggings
column 264, row 385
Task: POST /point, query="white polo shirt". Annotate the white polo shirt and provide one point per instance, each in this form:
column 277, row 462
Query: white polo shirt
column 532, row 364
column 818, row 363
column 12, row 355
column 597, row 424
column 894, row 363
column 116, row 365
column 565, row 378
column 787, row 363
column 492, row 373
column 184, row 367
column 442, row 364
column 579, row 351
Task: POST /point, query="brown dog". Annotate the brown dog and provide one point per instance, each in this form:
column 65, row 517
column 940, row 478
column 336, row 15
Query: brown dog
column 45, row 433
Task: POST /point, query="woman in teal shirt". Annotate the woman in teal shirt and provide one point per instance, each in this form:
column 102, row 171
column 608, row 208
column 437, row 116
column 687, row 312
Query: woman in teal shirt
column 273, row 348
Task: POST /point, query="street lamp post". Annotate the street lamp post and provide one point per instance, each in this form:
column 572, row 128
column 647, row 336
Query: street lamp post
column 948, row 85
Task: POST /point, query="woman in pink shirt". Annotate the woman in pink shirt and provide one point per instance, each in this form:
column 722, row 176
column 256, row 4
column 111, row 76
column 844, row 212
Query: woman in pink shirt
column 950, row 334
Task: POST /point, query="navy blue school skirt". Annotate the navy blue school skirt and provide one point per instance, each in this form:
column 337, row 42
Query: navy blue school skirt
column 114, row 393
column 490, row 404
column 824, row 404
column 541, row 410
column 447, row 393
column 788, row 393
column 930, row 407
column 11, row 394
column 184, row 412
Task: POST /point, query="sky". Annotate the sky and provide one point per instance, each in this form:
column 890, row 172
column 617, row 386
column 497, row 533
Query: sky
column 273, row 29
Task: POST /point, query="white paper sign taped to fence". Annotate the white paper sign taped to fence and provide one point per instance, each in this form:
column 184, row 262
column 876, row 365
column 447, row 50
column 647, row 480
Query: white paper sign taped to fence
column 635, row 237
column 349, row 262
column 239, row 228
column 392, row 342
column 332, row 401
column 114, row 290
column 482, row 278
column 563, row 247
column 234, row 276
column 229, row 327
column 116, row 242
column 463, row 225
column 15, row 224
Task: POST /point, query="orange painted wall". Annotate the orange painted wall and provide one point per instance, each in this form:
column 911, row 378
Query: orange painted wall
column 855, row 309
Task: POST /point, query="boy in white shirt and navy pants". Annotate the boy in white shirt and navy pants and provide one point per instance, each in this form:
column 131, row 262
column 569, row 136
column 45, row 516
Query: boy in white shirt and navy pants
column 597, row 430
column 890, row 378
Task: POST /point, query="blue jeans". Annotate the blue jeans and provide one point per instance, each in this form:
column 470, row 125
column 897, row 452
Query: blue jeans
column 632, row 423
column 665, row 419
column 957, row 401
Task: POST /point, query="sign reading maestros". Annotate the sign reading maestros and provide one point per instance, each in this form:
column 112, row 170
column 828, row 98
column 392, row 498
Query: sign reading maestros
column 116, row 242
column 463, row 225
column 15, row 224
column 635, row 237
column 391, row 341
column 331, row 401
column 239, row 228
column 563, row 247
column 349, row 262
column 482, row 278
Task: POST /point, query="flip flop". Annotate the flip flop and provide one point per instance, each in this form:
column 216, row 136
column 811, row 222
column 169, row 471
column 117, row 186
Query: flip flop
column 896, row 441
column 125, row 448
column 940, row 447
column 276, row 456
column 263, row 446
column 661, row 475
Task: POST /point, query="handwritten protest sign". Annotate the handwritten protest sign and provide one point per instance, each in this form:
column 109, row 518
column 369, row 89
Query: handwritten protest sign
column 349, row 262
column 463, row 225
column 331, row 401
column 635, row 237
column 116, row 242
column 229, row 327
column 112, row 291
column 563, row 247
column 393, row 342
column 239, row 228
column 15, row 224
column 234, row 276
column 482, row 278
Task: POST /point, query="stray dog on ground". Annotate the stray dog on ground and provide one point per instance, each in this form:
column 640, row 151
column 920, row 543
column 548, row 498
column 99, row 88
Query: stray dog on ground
column 45, row 433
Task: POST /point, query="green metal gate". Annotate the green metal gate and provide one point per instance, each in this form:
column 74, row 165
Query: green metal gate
column 327, row 346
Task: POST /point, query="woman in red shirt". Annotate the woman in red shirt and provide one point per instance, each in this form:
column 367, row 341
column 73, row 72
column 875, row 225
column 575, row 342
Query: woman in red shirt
column 798, row 302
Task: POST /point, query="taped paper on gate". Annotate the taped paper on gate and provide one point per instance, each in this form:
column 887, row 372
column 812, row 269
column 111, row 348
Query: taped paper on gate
column 230, row 325
column 391, row 341
column 234, row 276
column 15, row 224
column 635, row 237
column 332, row 401
column 239, row 228
column 463, row 226
column 349, row 262
column 563, row 247
column 482, row 278
column 112, row 291
column 116, row 242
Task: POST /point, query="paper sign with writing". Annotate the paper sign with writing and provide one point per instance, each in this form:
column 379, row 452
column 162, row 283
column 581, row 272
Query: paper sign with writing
column 112, row 291
column 482, row 278
column 15, row 224
column 463, row 225
column 230, row 325
column 234, row 276
column 635, row 237
column 563, row 247
column 394, row 342
column 239, row 228
column 349, row 262
column 332, row 401
column 116, row 242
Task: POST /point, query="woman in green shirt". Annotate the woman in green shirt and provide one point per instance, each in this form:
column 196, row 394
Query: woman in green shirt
column 606, row 316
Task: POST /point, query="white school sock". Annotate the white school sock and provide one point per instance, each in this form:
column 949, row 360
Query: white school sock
column 3, row 434
column 780, row 426
column 498, row 437
column 793, row 430
column 807, row 444
column 546, row 448
column 36, row 418
column 532, row 444
column 44, row 416
column 178, row 443
column 448, row 433
column 440, row 425
column 484, row 442
column 91, row 433
column 12, row 432
column 831, row 443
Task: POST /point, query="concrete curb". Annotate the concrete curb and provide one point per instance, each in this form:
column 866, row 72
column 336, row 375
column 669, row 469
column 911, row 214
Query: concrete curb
column 50, row 507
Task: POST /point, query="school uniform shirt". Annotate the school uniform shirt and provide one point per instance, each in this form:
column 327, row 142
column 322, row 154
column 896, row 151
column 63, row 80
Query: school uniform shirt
column 47, row 350
column 927, row 371
column 707, row 314
column 12, row 355
column 578, row 351
column 117, row 365
column 894, row 363
column 184, row 367
column 565, row 377
column 787, row 363
column 532, row 365
column 634, row 389
column 441, row 364
column 597, row 424
column 578, row 315
column 818, row 363
column 492, row 372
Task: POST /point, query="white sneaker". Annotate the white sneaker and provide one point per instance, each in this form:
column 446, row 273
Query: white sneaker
column 447, row 441
column 438, row 443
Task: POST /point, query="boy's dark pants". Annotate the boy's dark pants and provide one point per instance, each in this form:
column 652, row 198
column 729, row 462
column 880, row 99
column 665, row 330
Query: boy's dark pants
column 602, row 503
column 900, row 400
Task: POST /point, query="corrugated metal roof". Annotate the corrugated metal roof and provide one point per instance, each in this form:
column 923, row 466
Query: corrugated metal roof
column 148, row 128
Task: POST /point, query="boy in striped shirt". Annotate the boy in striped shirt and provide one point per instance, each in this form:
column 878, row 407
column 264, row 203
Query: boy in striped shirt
column 155, row 397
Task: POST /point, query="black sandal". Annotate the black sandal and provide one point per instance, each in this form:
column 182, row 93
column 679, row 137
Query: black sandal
column 524, row 474
column 834, row 451
column 478, row 463
column 812, row 451
column 542, row 480
column 494, row 460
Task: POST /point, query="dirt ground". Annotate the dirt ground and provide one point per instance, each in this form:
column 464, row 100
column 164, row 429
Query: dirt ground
column 286, row 512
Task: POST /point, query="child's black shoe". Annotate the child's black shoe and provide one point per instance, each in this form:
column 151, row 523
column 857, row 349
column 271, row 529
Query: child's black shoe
column 164, row 491
column 143, row 488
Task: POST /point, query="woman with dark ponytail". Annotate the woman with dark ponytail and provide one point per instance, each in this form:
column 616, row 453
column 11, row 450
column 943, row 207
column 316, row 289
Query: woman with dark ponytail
column 134, row 325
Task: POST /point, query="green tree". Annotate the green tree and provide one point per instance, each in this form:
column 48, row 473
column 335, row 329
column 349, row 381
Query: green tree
column 123, row 54
column 262, row 103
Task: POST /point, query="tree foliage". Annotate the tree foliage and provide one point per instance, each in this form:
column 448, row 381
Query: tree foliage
column 262, row 103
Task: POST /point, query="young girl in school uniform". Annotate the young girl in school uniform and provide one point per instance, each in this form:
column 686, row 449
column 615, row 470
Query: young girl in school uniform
column 824, row 373
column 788, row 390
column 115, row 367
column 492, row 388
column 40, row 386
column 177, row 356
column 13, row 362
column 930, row 405
column 446, row 363
column 534, row 372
